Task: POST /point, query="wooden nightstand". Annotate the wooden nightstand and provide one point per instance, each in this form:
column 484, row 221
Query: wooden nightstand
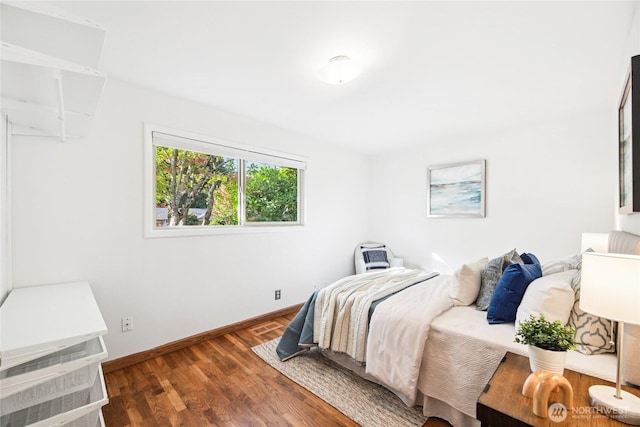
column 502, row 404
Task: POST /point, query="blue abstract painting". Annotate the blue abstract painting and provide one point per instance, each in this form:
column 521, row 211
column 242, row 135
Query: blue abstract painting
column 457, row 189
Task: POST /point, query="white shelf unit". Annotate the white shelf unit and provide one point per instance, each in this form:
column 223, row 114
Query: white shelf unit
column 50, row 352
column 49, row 78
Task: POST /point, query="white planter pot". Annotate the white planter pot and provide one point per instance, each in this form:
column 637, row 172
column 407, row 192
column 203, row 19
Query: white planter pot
column 547, row 360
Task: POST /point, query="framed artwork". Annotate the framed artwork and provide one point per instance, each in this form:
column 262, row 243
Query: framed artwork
column 456, row 190
column 629, row 141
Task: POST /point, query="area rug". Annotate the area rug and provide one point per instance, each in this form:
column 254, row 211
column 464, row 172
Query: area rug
column 364, row 402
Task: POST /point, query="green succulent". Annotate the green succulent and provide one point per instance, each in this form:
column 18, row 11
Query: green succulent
column 544, row 334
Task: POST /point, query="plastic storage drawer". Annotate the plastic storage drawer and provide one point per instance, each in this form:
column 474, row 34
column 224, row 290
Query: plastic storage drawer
column 78, row 409
column 62, row 372
column 36, row 321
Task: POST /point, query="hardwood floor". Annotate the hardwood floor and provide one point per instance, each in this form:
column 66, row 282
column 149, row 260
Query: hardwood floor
column 219, row 382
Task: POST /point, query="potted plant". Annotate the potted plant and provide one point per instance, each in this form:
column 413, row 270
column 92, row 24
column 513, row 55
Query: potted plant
column 548, row 343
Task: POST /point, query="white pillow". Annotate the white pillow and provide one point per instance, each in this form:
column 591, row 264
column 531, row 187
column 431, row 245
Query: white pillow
column 550, row 295
column 466, row 282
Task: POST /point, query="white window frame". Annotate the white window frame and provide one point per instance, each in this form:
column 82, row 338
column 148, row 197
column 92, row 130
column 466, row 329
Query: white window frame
column 206, row 144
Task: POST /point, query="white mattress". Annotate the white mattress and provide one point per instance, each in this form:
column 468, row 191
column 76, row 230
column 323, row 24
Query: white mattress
column 463, row 351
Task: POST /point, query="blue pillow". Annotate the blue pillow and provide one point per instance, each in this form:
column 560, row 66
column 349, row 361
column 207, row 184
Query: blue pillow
column 375, row 258
column 510, row 289
column 529, row 259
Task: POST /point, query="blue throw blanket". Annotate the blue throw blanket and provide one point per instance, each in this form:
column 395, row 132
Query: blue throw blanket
column 298, row 336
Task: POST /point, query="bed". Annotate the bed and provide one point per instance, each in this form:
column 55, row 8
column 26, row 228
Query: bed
column 449, row 350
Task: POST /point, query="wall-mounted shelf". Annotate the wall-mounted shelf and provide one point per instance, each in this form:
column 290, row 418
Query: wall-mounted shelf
column 50, row 84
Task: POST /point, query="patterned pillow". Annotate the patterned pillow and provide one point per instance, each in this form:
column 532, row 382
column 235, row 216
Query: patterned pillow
column 375, row 258
column 560, row 265
column 594, row 335
column 491, row 275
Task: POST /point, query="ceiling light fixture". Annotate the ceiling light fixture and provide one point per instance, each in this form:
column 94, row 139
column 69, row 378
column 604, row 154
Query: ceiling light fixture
column 339, row 70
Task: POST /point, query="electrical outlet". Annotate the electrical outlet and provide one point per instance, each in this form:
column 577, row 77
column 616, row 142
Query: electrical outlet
column 278, row 294
column 127, row 324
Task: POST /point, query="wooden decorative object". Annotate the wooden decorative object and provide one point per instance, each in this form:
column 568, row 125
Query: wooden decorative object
column 531, row 382
column 544, row 387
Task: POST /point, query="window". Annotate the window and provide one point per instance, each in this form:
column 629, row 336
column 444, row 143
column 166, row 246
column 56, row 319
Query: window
column 197, row 185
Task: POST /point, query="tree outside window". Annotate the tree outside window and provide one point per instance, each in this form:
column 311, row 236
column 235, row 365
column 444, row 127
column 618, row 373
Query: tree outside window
column 195, row 188
column 272, row 193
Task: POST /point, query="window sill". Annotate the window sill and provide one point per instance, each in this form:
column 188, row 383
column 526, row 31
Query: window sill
column 193, row 231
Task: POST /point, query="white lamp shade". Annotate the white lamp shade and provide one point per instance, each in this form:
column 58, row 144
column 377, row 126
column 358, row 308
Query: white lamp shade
column 610, row 286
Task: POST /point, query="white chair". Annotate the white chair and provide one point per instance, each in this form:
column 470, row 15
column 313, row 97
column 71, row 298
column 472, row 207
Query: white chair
column 361, row 266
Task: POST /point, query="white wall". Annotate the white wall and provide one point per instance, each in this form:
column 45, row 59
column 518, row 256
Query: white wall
column 546, row 184
column 78, row 215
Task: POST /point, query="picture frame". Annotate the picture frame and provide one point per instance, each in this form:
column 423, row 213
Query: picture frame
column 629, row 141
column 456, row 190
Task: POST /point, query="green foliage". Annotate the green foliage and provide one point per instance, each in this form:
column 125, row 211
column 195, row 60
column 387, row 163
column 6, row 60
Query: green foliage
column 191, row 219
column 272, row 193
column 163, row 175
column 187, row 180
column 190, row 180
column 225, row 210
column 544, row 334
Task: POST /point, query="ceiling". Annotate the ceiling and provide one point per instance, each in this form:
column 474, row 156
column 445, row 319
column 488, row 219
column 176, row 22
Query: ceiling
column 430, row 70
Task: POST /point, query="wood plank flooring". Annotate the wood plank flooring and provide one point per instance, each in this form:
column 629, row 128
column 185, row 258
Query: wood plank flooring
column 218, row 382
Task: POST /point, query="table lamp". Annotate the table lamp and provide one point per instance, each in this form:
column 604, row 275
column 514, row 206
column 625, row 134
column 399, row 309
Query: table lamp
column 610, row 288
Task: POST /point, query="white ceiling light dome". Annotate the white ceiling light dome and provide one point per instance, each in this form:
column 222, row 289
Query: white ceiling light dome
column 339, row 70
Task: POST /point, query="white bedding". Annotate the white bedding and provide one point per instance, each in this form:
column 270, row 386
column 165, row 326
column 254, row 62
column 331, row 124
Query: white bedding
column 462, row 353
column 402, row 322
column 449, row 353
column 341, row 319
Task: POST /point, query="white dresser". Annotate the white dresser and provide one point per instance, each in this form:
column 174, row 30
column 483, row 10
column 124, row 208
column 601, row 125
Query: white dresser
column 51, row 347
